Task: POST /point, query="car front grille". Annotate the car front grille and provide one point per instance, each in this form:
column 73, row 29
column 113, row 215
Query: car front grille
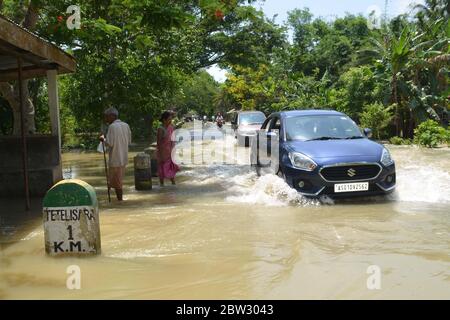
column 350, row 172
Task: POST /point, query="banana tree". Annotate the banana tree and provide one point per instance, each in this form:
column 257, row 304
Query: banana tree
column 432, row 57
column 390, row 56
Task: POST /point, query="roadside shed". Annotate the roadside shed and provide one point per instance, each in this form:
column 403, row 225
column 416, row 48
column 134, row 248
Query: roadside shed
column 31, row 163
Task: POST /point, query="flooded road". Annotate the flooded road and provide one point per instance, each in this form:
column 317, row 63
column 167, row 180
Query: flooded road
column 224, row 233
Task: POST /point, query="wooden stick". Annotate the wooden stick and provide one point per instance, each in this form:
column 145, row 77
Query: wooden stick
column 106, row 171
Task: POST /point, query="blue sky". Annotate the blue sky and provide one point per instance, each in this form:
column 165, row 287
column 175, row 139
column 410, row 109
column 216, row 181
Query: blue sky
column 327, row 9
column 330, row 9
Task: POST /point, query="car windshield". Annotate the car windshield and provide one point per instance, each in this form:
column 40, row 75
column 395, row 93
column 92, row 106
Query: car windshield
column 323, row 127
column 251, row 118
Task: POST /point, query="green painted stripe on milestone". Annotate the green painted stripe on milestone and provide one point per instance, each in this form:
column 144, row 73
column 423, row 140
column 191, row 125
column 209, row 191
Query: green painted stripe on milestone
column 70, row 193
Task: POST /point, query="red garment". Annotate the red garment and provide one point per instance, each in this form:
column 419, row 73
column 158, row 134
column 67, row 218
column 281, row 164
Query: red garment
column 166, row 167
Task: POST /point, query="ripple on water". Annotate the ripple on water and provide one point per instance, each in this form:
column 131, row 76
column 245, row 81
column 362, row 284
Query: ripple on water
column 143, row 253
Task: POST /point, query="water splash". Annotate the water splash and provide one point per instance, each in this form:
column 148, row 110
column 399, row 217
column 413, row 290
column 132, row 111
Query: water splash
column 269, row 190
column 417, row 181
column 422, row 183
column 242, row 185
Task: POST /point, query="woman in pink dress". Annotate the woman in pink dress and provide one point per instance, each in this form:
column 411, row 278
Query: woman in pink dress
column 166, row 167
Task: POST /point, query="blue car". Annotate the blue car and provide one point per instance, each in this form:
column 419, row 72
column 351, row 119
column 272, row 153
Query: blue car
column 323, row 152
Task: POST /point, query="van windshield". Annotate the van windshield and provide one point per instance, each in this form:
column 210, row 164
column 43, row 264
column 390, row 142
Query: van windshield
column 252, row 118
column 322, row 127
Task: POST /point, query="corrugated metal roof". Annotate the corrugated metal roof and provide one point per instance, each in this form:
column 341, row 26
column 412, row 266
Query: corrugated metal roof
column 38, row 54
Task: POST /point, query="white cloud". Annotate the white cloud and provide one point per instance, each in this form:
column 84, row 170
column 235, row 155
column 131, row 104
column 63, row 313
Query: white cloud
column 404, row 6
column 218, row 74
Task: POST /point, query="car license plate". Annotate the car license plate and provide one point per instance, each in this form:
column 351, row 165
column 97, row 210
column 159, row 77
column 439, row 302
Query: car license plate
column 351, row 187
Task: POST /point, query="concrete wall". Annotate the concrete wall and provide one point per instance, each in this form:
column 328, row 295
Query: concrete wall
column 44, row 162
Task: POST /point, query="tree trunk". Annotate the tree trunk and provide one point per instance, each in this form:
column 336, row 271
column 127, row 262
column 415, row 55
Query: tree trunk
column 411, row 124
column 11, row 92
column 150, row 128
column 31, row 17
column 405, row 127
column 397, row 106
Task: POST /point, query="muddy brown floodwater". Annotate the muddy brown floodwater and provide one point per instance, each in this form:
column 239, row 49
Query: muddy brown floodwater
column 224, row 233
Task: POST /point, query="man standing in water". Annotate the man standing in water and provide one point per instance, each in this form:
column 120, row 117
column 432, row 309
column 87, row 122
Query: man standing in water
column 117, row 140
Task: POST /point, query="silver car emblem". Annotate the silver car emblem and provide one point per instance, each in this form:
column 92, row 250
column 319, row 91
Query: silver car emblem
column 351, row 172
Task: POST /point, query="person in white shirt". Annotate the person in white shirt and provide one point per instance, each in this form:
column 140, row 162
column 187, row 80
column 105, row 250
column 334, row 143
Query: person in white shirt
column 117, row 140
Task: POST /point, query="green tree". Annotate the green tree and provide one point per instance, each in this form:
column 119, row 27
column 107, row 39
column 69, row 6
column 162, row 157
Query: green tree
column 390, row 56
column 328, row 46
column 413, row 60
column 135, row 54
column 198, row 94
column 430, row 73
column 377, row 117
column 355, row 88
column 431, row 134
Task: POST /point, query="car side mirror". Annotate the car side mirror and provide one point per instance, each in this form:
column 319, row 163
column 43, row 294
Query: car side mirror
column 368, row 133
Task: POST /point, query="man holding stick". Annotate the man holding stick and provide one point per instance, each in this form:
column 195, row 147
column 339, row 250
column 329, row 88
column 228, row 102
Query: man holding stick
column 117, row 140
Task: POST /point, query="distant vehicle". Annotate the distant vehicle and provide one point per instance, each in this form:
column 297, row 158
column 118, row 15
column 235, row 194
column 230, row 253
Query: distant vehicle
column 245, row 124
column 323, row 152
column 220, row 120
column 189, row 118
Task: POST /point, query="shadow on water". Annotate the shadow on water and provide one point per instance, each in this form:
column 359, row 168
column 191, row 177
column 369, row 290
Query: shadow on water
column 15, row 221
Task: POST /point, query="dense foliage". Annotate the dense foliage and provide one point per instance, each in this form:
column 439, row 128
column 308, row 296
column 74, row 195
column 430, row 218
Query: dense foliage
column 399, row 69
column 146, row 56
column 431, row 134
column 377, row 117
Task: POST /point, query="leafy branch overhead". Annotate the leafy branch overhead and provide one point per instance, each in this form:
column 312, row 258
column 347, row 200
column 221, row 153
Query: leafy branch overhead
column 143, row 56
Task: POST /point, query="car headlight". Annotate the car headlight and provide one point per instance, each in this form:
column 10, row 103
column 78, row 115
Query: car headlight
column 386, row 158
column 301, row 161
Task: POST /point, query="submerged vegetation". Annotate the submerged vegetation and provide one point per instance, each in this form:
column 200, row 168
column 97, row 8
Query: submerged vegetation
column 146, row 56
